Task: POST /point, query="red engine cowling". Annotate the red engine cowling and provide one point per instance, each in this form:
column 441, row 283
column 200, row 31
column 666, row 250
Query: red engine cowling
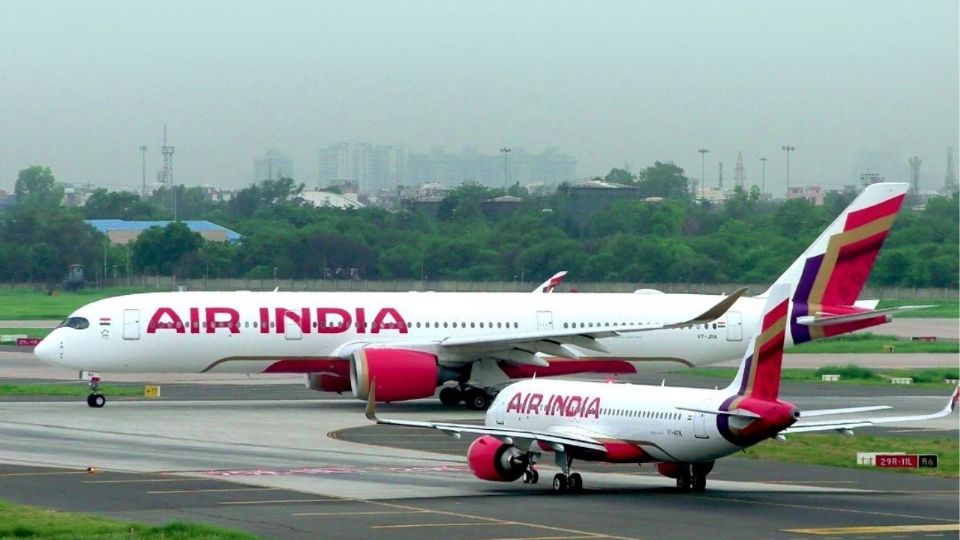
column 327, row 382
column 491, row 459
column 400, row 374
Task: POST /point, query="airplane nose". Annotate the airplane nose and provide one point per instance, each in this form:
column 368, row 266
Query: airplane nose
column 47, row 351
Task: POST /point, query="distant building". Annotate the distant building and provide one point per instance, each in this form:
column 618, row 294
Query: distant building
column 371, row 167
column 438, row 166
column 272, row 166
column 586, row 198
column 328, row 199
column 501, row 206
column 121, row 231
column 813, row 194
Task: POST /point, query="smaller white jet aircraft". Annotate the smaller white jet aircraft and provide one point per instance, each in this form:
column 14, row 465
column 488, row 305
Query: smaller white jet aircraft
column 682, row 430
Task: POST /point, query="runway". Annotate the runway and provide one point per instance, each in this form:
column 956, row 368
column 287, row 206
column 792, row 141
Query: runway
column 276, row 461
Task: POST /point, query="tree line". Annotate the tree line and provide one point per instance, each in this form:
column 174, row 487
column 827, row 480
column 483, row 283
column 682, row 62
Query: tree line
column 660, row 235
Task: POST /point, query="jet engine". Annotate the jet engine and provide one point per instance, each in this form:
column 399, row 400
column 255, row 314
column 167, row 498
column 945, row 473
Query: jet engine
column 326, row 382
column 400, row 374
column 491, row 459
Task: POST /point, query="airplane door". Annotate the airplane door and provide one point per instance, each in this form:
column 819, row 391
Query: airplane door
column 700, row 422
column 292, row 331
column 544, row 320
column 734, row 326
column 131, row 324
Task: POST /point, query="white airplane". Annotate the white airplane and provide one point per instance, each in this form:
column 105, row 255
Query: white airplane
column 473, row 344
column 682, row 430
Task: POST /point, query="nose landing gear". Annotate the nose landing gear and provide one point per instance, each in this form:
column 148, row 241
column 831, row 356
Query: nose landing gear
column 95, row 399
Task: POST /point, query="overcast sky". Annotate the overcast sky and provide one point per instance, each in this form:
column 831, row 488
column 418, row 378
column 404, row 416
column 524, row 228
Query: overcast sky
column 853, row 85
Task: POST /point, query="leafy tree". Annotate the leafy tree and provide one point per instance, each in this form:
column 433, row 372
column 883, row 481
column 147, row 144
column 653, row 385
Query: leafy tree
column 620, row 176
column 36, row 186
column 160, row 250
column 104, row 204
column 664, row 180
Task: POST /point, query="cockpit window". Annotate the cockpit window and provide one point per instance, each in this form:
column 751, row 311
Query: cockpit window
column 78, row 323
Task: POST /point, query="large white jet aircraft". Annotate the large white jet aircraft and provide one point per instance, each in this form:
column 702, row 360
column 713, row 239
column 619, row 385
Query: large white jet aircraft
column 472, row 343
column 682, row 430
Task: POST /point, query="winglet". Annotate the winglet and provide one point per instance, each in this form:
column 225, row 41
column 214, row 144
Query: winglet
column 550, row 284
column 719, row 309
column 372, row 401
column 952, row 404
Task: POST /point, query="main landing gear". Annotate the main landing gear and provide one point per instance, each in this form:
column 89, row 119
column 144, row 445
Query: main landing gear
column 95, row 399
column 475, row 398
column 693, row 477
column 564, row 481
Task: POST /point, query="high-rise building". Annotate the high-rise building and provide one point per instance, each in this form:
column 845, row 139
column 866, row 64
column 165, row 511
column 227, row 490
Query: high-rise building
column 518, row 166
column 271, row 166
column 372, row 167
column 950, row 179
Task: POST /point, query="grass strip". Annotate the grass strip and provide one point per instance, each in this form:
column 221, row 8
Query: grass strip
column 20, row 521
column 29, row 332
column 873, row 343
column 42, row 389
column 849, row 374
column 840, row 451
column 942, row 309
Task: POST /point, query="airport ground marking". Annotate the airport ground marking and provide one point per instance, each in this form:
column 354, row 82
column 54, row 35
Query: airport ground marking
column 824, row 508
column 143, row 480
column 281, row 501
column 459, row 524
column 212, row 490
column 876, row 529
column 370, row 513
column 495, row 520
column 50, row 473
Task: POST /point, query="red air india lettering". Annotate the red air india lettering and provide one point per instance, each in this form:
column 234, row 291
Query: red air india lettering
column 329, row 320
column 557, row 405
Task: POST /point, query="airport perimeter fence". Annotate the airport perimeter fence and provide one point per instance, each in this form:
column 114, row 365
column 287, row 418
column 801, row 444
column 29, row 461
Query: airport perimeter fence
column 172, row 283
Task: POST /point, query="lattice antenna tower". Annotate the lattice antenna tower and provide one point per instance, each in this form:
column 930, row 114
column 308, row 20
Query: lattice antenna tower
column 739, row 173
column 950, row 180
column 915, row 163
column 166, row 176
column 720, row 175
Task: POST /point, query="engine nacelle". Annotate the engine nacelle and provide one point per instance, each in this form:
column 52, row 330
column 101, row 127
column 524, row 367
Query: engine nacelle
column 494, row 460
column 400, row 374
column 326, row 382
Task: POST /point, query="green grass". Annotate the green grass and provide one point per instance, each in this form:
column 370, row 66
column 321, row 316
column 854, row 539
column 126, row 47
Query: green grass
column 26, row 304
column 29, row 332
column 19, row 521
column 840, row 451
column 850, row 374
column 79, row 389
column 942, row 309
column 873, row 343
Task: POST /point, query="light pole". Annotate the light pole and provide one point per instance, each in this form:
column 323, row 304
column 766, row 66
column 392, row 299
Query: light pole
column 703, row 172
column 788, row 148
column 763, row 175
column 504, row 151
column 274, row 276
column 143, row 166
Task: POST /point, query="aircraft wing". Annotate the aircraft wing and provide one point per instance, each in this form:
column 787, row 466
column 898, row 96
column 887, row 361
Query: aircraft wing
column 550, row 284
column 851, row 423
column 512, row 436
column 829, row 319
column 521, row 348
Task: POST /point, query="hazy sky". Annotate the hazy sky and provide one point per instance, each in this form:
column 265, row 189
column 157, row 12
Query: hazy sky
column 853, row 85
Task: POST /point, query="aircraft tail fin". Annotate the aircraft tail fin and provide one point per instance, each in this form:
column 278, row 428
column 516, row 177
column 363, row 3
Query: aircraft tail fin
column 831, row 273
column 759, row 373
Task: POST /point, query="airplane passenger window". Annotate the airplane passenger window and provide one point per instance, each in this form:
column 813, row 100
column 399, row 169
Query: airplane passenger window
column 255, row 324
column 515, row 325
column 454, row 325
column 77, row 323
column 471, row 325
column 444, row 325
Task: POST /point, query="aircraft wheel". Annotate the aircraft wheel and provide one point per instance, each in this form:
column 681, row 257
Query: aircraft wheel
column 699, row 482
column 531, row 476
column 477, row 399
column 683, row 482
column 559, row 483
column 575, row 482
column 450, row 396
column 96, row 400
